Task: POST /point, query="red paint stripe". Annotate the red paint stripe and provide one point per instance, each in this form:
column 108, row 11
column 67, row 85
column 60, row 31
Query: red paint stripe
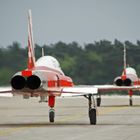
column 123, row 77
column 26, row 73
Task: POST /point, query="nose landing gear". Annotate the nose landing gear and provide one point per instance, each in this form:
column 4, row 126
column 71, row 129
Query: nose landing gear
column 51, row 103
column 51, row 115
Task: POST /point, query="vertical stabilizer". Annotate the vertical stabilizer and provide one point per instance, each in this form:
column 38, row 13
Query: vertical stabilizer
column 31, row 54
column 124, row 60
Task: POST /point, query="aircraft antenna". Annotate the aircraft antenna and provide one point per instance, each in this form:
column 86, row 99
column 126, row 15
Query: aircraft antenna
column 42, row 51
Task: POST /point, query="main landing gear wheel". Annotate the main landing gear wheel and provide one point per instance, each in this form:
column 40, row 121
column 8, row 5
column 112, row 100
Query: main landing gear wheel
column 92, row 110
column 130, row 102
column 98, row 101
column 92, row 116
column 130, row 93
column 51, row 115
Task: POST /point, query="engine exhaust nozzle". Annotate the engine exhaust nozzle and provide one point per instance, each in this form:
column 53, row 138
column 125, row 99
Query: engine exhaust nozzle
column 33, row 82
column 119, row 82
column 18, row 82
column 127, row 82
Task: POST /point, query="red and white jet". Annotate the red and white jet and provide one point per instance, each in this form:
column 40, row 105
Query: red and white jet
column 45, row 78
column 129, row 77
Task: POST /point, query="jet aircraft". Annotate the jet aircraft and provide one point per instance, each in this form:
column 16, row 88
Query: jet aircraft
column 45, row 78
column 129, row 77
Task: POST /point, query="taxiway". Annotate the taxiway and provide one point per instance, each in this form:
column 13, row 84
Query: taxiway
column 22, row 119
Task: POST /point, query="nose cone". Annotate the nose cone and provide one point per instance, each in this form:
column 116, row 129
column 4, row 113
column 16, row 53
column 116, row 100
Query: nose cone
column 18, row 82
column 33, row 82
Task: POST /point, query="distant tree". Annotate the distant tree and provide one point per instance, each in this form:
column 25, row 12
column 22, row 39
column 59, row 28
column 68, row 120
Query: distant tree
column 94, row 63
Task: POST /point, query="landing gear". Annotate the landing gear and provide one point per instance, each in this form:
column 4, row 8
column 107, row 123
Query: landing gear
column 131, row 102
column 51, row 102
column 92, row 110
column 98, row 100
column 51, row 115
column 92, row 116
column 43, row 98
column 130, row 98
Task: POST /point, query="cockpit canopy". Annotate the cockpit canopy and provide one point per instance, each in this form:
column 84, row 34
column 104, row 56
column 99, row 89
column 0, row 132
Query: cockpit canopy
column 131, row 70
column 50, row 62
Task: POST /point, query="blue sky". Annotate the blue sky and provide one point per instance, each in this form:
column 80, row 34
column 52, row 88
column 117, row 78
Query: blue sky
column 84, row 21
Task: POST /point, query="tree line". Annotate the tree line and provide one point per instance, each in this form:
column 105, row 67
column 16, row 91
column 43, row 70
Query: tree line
column 93, row 63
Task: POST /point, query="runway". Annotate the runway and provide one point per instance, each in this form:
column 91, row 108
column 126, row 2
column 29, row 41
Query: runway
column 22, row 119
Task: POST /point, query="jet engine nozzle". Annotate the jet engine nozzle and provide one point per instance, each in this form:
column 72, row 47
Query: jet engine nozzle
column 33, row 82
column 127, row 82
column 119, row 82
column 18, row 82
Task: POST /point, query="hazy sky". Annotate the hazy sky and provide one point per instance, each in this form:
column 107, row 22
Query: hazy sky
column 84, row 21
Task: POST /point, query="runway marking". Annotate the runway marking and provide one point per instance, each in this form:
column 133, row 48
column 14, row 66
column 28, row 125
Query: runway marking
column 111, row 109
column 9, row 131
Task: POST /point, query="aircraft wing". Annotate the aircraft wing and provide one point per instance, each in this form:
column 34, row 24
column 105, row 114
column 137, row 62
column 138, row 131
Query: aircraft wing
column 87, row 89
column 62, row 91
column 105, row 88
column 76, row 90
column 91, row 89
column 6, row 92
column 73, row 91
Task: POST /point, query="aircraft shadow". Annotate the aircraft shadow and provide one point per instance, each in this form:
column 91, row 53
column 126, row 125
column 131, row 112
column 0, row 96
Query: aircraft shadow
column 32, row 125
column 37, row 125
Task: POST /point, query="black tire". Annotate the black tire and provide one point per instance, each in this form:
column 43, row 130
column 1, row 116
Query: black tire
column 98, row 102
column 51, row 115
column 92, row 116
column 130, row 102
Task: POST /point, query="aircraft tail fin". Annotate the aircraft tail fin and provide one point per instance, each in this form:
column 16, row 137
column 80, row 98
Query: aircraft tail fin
column 31, row 53
column 124, row 60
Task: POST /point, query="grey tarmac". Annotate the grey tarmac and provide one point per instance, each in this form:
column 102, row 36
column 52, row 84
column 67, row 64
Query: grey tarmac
column 22, row 119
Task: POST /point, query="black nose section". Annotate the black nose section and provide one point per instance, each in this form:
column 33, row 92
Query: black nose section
column 119, row 82
column 18, row 82
column 33, row 82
